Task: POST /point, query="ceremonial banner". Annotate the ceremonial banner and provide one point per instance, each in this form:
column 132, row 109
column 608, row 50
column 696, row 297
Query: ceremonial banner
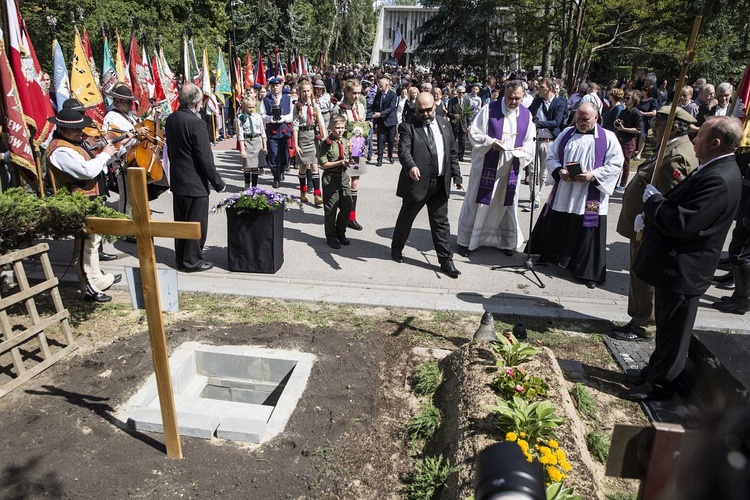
column 139, row 76
column 399, row 45
column 168, row 82
column 206, row 75
column 195, row 70
column 249, row 72
column 149, row 72
column 27, row 73
column 159, row 93
column 82, row 83
column 222, row 77
column 260, row 77
column 97, row 112
column 109, row 73
column 60, row 81
column 121, row 64
column 14, row 124
column 237, row 78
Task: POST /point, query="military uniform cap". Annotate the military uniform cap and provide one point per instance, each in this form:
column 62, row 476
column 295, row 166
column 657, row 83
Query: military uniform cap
column 680, row 114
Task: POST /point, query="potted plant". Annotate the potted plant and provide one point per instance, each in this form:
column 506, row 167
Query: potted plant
column 255, row 229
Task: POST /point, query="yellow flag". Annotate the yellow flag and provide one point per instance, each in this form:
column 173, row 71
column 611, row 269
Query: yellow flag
column 123, row 75
column 82, row 82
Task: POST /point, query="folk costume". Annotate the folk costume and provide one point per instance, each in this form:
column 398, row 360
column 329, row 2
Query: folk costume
column 572, row 227
column 307, row 121
column 74, row 168
column 489, row 215
column 120, row 122
column 251, row 134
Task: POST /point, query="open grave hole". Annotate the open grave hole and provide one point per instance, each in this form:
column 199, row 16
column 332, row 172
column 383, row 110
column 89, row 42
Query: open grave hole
column 237, row 393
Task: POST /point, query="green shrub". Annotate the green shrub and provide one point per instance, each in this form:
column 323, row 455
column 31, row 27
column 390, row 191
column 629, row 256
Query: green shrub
column 598, row 444
column 511, row 352
column 427, row 378
column 430, row 474
column 515, row 382
column 536, row 420
column 423, row 425
column 585, row 402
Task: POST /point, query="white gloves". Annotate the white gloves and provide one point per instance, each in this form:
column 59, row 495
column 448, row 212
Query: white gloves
column 649, row 192
column 638, row 224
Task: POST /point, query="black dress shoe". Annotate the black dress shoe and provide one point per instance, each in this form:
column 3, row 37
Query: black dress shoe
column 390, row 160
column 105, row 257
column 333, row 243
column 344, row 240
column 591, row 284
column 733, row 304
column 463, row 251
column 449, row 269
column 128, row 239
column 648, row 392
column 628, row 335
column 98, row 298
column 635, row 377
column 397, row 257
column 275, row 184
column 205, row 266
column 379, row 163
column 508, row 251
column 729, row 285
column 353, row 224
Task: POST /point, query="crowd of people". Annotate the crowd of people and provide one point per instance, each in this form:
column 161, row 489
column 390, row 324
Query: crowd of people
column 523, row 130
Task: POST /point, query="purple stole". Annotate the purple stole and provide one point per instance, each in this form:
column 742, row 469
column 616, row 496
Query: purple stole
column 492, row 157
column 593, row 197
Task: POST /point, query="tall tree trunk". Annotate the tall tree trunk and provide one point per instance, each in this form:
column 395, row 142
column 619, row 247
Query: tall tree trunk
column 547, row 49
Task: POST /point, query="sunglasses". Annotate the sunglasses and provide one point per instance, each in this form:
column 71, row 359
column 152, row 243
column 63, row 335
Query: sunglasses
column 423, row 110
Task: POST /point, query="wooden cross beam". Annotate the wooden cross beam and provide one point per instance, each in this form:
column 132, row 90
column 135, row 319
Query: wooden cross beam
column 144, row 229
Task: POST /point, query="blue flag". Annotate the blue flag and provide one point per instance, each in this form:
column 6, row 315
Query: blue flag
column 60, row 82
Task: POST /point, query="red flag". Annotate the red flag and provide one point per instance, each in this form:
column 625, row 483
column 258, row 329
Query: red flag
column 27, row 73
column 139, row 77
column 159, row 93
column 743, row 93
column 248, row 72
column 168, row 82
column 14, row 124
column 261, row 76
column 97, row 112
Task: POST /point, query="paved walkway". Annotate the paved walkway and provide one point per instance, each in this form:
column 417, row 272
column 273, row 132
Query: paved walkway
column 363, row 273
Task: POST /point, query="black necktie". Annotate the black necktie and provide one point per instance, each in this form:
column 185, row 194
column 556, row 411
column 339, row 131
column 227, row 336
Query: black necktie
column 430, row 139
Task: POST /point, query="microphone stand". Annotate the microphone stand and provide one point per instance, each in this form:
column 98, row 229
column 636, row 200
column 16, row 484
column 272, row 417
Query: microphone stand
column 528, row 264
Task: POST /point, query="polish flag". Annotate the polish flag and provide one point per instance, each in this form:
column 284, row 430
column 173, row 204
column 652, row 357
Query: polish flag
column 399, row 45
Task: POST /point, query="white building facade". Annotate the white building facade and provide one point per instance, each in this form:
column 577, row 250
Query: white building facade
column 406, row 18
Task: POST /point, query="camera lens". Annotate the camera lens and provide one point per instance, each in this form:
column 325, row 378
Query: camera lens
column 503, row 472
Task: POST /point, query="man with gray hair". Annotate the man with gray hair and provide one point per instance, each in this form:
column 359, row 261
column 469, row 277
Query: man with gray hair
column 191, row 169
column 683, row 233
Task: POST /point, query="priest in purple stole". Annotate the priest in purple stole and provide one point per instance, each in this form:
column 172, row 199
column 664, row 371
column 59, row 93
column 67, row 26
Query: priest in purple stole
column 502, row 139
column 572, row 226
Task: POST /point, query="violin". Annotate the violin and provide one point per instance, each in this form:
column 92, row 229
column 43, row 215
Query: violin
column 96, row 139
column 147, row 153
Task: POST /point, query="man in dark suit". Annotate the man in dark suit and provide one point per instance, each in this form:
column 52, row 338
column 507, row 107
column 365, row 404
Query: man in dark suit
column 384, row 118
column 548, row 112
column 429, row 160
column 456, row 116
column 191, row 169
column 683, row 236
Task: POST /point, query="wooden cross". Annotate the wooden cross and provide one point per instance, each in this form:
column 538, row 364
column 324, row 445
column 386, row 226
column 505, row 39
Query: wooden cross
column 144, row 229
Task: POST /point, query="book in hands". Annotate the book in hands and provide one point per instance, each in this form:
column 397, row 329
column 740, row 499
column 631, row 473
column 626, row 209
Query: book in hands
column 573, row 168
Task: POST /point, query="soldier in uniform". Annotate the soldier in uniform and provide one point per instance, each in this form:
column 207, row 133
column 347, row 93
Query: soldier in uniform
column 276, row 110
column 74, row 168
column 679, row 161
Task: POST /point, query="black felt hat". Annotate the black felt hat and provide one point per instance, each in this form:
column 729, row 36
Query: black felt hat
column 70, row 118
column 122, row 91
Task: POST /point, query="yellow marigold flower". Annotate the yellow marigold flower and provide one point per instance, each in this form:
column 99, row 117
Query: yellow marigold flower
column 528, row 456
column 523, row 434
column 554, row 474
column 560, row 454
column 511, row 436
column 553, row 444
column 524, row 445
column 544, row 450
column 545, row 460
column 565, row 465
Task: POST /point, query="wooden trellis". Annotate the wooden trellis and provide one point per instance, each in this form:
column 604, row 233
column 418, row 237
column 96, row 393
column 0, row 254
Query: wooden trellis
column 29, row 348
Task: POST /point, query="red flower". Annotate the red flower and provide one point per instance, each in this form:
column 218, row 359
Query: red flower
column 676, row 174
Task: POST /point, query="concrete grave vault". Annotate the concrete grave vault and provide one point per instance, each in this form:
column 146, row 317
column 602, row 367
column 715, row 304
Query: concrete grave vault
column 237, row 393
